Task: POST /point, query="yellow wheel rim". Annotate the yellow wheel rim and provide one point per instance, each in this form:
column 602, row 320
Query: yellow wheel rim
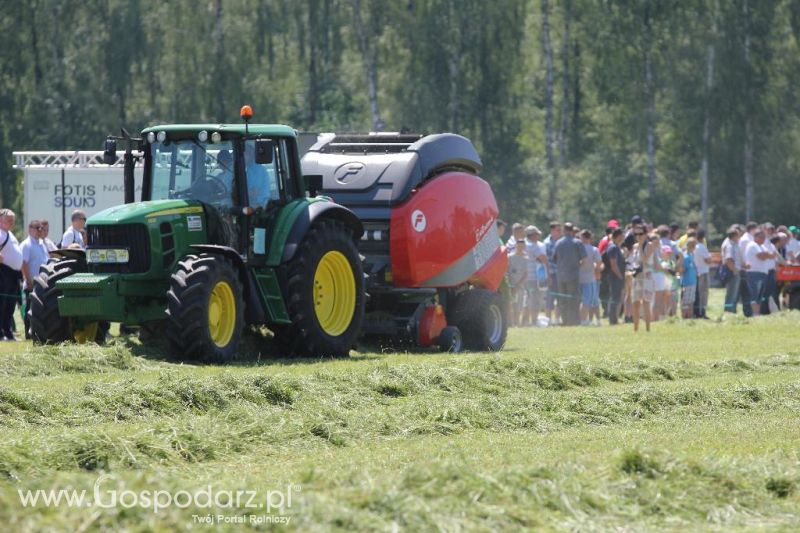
column 88, row 333
column 221, row 314
column 334, row 293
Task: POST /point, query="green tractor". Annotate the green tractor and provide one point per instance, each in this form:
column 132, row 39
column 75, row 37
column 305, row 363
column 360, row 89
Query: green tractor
column 227, row 233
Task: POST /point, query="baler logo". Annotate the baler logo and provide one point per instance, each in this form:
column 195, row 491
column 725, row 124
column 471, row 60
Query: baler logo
column 349, row 172
column 418, row 221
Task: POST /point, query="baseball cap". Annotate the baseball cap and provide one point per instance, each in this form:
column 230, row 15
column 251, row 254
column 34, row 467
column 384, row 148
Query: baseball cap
column 613, row 223
column 532, row 229
column 636, row 219
column 793, row 229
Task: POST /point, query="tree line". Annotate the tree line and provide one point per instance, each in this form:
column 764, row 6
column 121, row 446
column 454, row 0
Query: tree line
column 581, row 109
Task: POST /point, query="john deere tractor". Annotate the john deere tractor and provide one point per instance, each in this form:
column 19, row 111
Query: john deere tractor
column 227, row 233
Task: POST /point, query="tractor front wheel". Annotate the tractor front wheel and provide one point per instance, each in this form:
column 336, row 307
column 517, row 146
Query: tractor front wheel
column 47, row 324
column 205, row 309
column 325, row 294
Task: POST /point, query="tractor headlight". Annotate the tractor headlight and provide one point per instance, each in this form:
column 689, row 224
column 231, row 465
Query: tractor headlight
column 216, row 137
column 202, row 136
column 151, row 137
column 107, row 255
column 162, row 136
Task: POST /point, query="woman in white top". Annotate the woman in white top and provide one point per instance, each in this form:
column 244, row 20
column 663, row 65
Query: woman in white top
column 645, row 261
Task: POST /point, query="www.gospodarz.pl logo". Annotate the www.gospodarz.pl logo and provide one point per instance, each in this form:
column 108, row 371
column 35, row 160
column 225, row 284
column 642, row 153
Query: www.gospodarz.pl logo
column 271, row 505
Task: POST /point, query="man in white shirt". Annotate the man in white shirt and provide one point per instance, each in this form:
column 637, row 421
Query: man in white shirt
column 732, row 259
column 746, row 237
column 702, row 260
column 10, row 265
column 34, row 255
column 536, row 282
column 48, row 243
column 758, row 257
column 72, row 237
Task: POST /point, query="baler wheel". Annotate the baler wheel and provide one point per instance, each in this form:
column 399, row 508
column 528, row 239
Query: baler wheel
column 205, row 308
column 450, row 340
column 481, row 317
column 325, row 293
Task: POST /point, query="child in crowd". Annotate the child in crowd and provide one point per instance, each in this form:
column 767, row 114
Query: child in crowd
column 689, row 279
column 589, row 284
column 517, row 275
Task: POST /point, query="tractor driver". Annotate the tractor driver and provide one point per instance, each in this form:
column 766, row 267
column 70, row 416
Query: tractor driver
column 225, row 174
column 261, row 184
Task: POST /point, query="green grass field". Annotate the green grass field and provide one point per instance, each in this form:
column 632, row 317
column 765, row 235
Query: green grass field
column 693, row 426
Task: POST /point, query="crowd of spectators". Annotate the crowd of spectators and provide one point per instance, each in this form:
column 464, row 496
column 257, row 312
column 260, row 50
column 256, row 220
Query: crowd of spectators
column 641, row 271
column 20, row 263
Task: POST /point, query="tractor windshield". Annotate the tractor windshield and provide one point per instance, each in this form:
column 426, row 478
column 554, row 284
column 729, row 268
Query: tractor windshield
column 193, row 170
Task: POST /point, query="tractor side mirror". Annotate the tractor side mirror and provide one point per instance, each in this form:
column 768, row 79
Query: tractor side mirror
column 313, row 184
column 265, row 151
column 110, row 152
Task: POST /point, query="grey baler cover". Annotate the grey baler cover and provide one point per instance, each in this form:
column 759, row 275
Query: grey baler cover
column 378, row 179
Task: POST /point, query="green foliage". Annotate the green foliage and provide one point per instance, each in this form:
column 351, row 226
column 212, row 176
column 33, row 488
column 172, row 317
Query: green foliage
column 78, row 70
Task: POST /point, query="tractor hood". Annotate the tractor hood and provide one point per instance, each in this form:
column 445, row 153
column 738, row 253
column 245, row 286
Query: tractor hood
column 141, row 211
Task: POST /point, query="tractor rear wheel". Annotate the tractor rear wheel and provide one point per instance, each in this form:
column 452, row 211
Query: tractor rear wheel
column 481, row 316
column 205, row 309
column 325, row 293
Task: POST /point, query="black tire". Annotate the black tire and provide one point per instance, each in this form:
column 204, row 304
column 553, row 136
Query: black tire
column 189, row 302
column 481, row 316
column 47, row 325
column 450, row 340
column 151, row 331
column 306, row 336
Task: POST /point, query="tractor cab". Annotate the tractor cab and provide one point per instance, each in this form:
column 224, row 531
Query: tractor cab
column 237, row 176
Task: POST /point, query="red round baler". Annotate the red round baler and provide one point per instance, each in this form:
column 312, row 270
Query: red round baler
column 431, row 250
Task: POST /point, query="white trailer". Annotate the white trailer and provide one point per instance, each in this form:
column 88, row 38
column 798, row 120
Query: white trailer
column 56, row 183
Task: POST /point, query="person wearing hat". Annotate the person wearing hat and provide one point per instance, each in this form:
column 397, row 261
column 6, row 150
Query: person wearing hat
column 601, row 247
column 606, row 240
column 536, row 283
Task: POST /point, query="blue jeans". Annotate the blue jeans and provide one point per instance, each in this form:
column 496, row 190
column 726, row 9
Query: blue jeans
column 732, row 293
column 590, row 294
column 615, row 287
column 756, row 282
column 770, row 291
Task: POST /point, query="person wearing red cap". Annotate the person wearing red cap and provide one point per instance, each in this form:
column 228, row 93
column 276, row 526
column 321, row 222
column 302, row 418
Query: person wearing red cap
column 602, row 246
column 606, row 240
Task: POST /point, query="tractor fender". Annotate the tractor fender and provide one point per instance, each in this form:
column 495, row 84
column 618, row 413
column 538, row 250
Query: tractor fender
column 254, row 308
column 71, row 253
column 317, row 211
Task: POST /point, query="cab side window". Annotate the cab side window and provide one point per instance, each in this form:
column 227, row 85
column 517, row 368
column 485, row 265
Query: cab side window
column 262, row 180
